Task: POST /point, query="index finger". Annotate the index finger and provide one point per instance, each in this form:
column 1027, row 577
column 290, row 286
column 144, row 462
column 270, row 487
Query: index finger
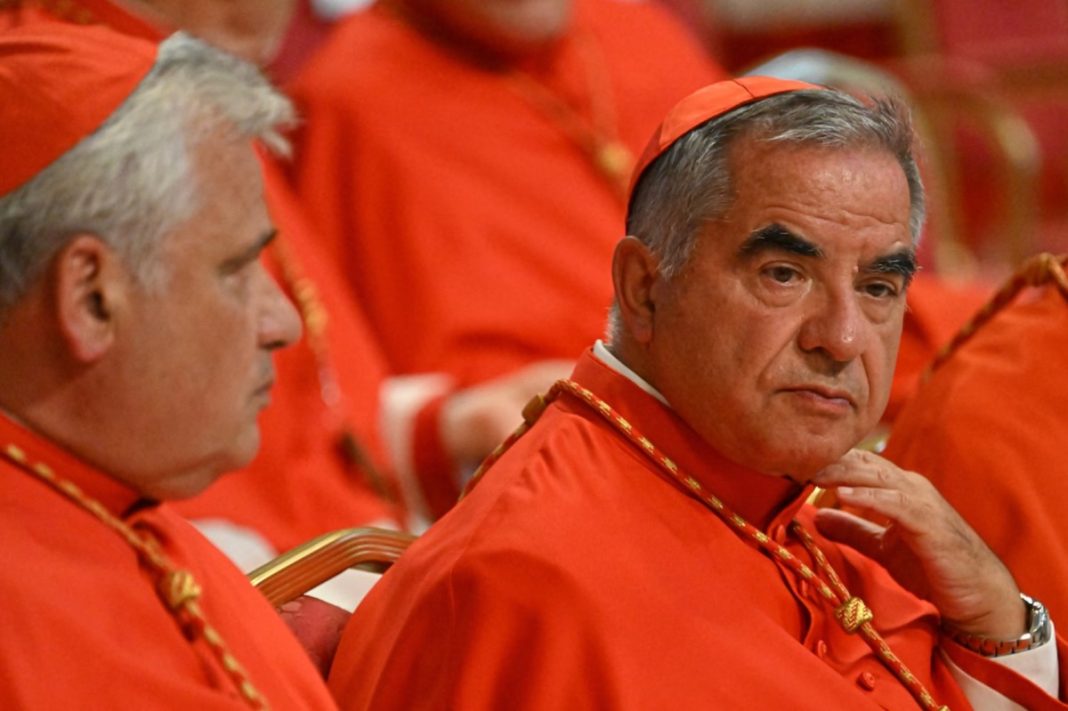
column 863, row 468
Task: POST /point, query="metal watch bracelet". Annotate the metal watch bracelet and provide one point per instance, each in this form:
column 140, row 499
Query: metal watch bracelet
column 1039, row 631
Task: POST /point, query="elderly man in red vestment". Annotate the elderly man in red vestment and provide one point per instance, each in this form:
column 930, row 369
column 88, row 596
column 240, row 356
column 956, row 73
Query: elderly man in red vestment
column 467, row 162
column 645, row 542
column 137, row 334
column 324, row 462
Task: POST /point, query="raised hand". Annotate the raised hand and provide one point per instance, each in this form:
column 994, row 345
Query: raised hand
column 926, row 545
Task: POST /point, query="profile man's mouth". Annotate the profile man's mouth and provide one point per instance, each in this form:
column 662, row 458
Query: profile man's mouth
column 265, row 389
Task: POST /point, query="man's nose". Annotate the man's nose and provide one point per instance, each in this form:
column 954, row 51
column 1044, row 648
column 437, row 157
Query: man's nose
column 835, row 327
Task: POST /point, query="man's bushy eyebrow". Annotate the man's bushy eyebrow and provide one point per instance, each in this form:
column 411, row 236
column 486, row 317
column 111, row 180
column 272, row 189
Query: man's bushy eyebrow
column 778, row 238
column 902, row 262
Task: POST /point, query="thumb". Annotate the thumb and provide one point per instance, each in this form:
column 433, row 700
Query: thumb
column 851, row 530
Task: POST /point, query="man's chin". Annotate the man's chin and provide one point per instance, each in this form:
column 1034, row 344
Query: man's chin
column 197, row 481
column 245, row 451
column 803, row 462
column 184, row 486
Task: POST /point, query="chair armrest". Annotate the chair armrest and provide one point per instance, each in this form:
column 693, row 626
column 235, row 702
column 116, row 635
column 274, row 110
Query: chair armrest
column 297, row 571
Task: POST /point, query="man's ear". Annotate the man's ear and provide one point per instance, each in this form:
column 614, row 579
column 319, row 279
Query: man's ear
column 635, row 271
column 89, row 283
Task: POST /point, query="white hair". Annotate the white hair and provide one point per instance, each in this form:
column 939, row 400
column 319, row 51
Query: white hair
column 132, row 181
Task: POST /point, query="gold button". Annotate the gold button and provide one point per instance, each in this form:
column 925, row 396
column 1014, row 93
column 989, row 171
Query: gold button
column 821, row 649
column 866, row 680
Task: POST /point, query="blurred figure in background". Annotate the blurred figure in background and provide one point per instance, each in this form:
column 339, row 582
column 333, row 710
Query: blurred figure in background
column 467, row 163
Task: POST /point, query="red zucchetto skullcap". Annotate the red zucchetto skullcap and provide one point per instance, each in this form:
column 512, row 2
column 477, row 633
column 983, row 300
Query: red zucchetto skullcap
column 706, row 104
column 58, row 84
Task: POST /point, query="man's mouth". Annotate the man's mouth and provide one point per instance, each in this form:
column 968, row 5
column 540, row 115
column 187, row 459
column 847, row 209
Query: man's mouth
column 264, row 390
column 823, row 397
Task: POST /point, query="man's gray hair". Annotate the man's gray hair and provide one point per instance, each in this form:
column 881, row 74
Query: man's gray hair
column 690, row 184
column 132, row 181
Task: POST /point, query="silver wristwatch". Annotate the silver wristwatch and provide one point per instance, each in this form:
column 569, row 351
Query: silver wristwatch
column 1039, row 631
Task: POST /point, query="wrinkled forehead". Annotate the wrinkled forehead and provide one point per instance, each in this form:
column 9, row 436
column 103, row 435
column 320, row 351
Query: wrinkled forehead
column 817, row 199
column 231, row 172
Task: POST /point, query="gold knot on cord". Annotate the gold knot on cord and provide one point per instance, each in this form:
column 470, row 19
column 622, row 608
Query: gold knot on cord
column 178, row 588
column 533, row 409
column 853, row 613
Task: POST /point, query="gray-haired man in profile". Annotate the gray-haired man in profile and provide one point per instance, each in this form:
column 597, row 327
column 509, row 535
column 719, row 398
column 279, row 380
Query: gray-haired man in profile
column 137, row 328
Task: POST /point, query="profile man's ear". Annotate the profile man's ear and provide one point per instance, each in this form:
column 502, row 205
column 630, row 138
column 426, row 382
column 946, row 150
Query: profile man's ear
column 88, row 282
column 635, row 271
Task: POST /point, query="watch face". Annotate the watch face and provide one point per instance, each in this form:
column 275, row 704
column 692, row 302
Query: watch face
column 1039, row 631
column 1039, row 628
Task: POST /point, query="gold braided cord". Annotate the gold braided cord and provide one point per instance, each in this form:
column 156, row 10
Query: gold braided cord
column 850, row 611
column 855, row 616
column 853, row 613
column 175, row 587
column 1039, row 270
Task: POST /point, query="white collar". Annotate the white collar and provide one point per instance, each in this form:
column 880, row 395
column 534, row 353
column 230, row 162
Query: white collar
column 601, row 353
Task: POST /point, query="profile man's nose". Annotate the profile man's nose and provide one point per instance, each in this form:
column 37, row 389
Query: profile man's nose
column 280, row 322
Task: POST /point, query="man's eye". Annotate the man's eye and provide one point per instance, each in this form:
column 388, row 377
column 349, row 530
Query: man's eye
column 880, row 290
column 782, row 274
